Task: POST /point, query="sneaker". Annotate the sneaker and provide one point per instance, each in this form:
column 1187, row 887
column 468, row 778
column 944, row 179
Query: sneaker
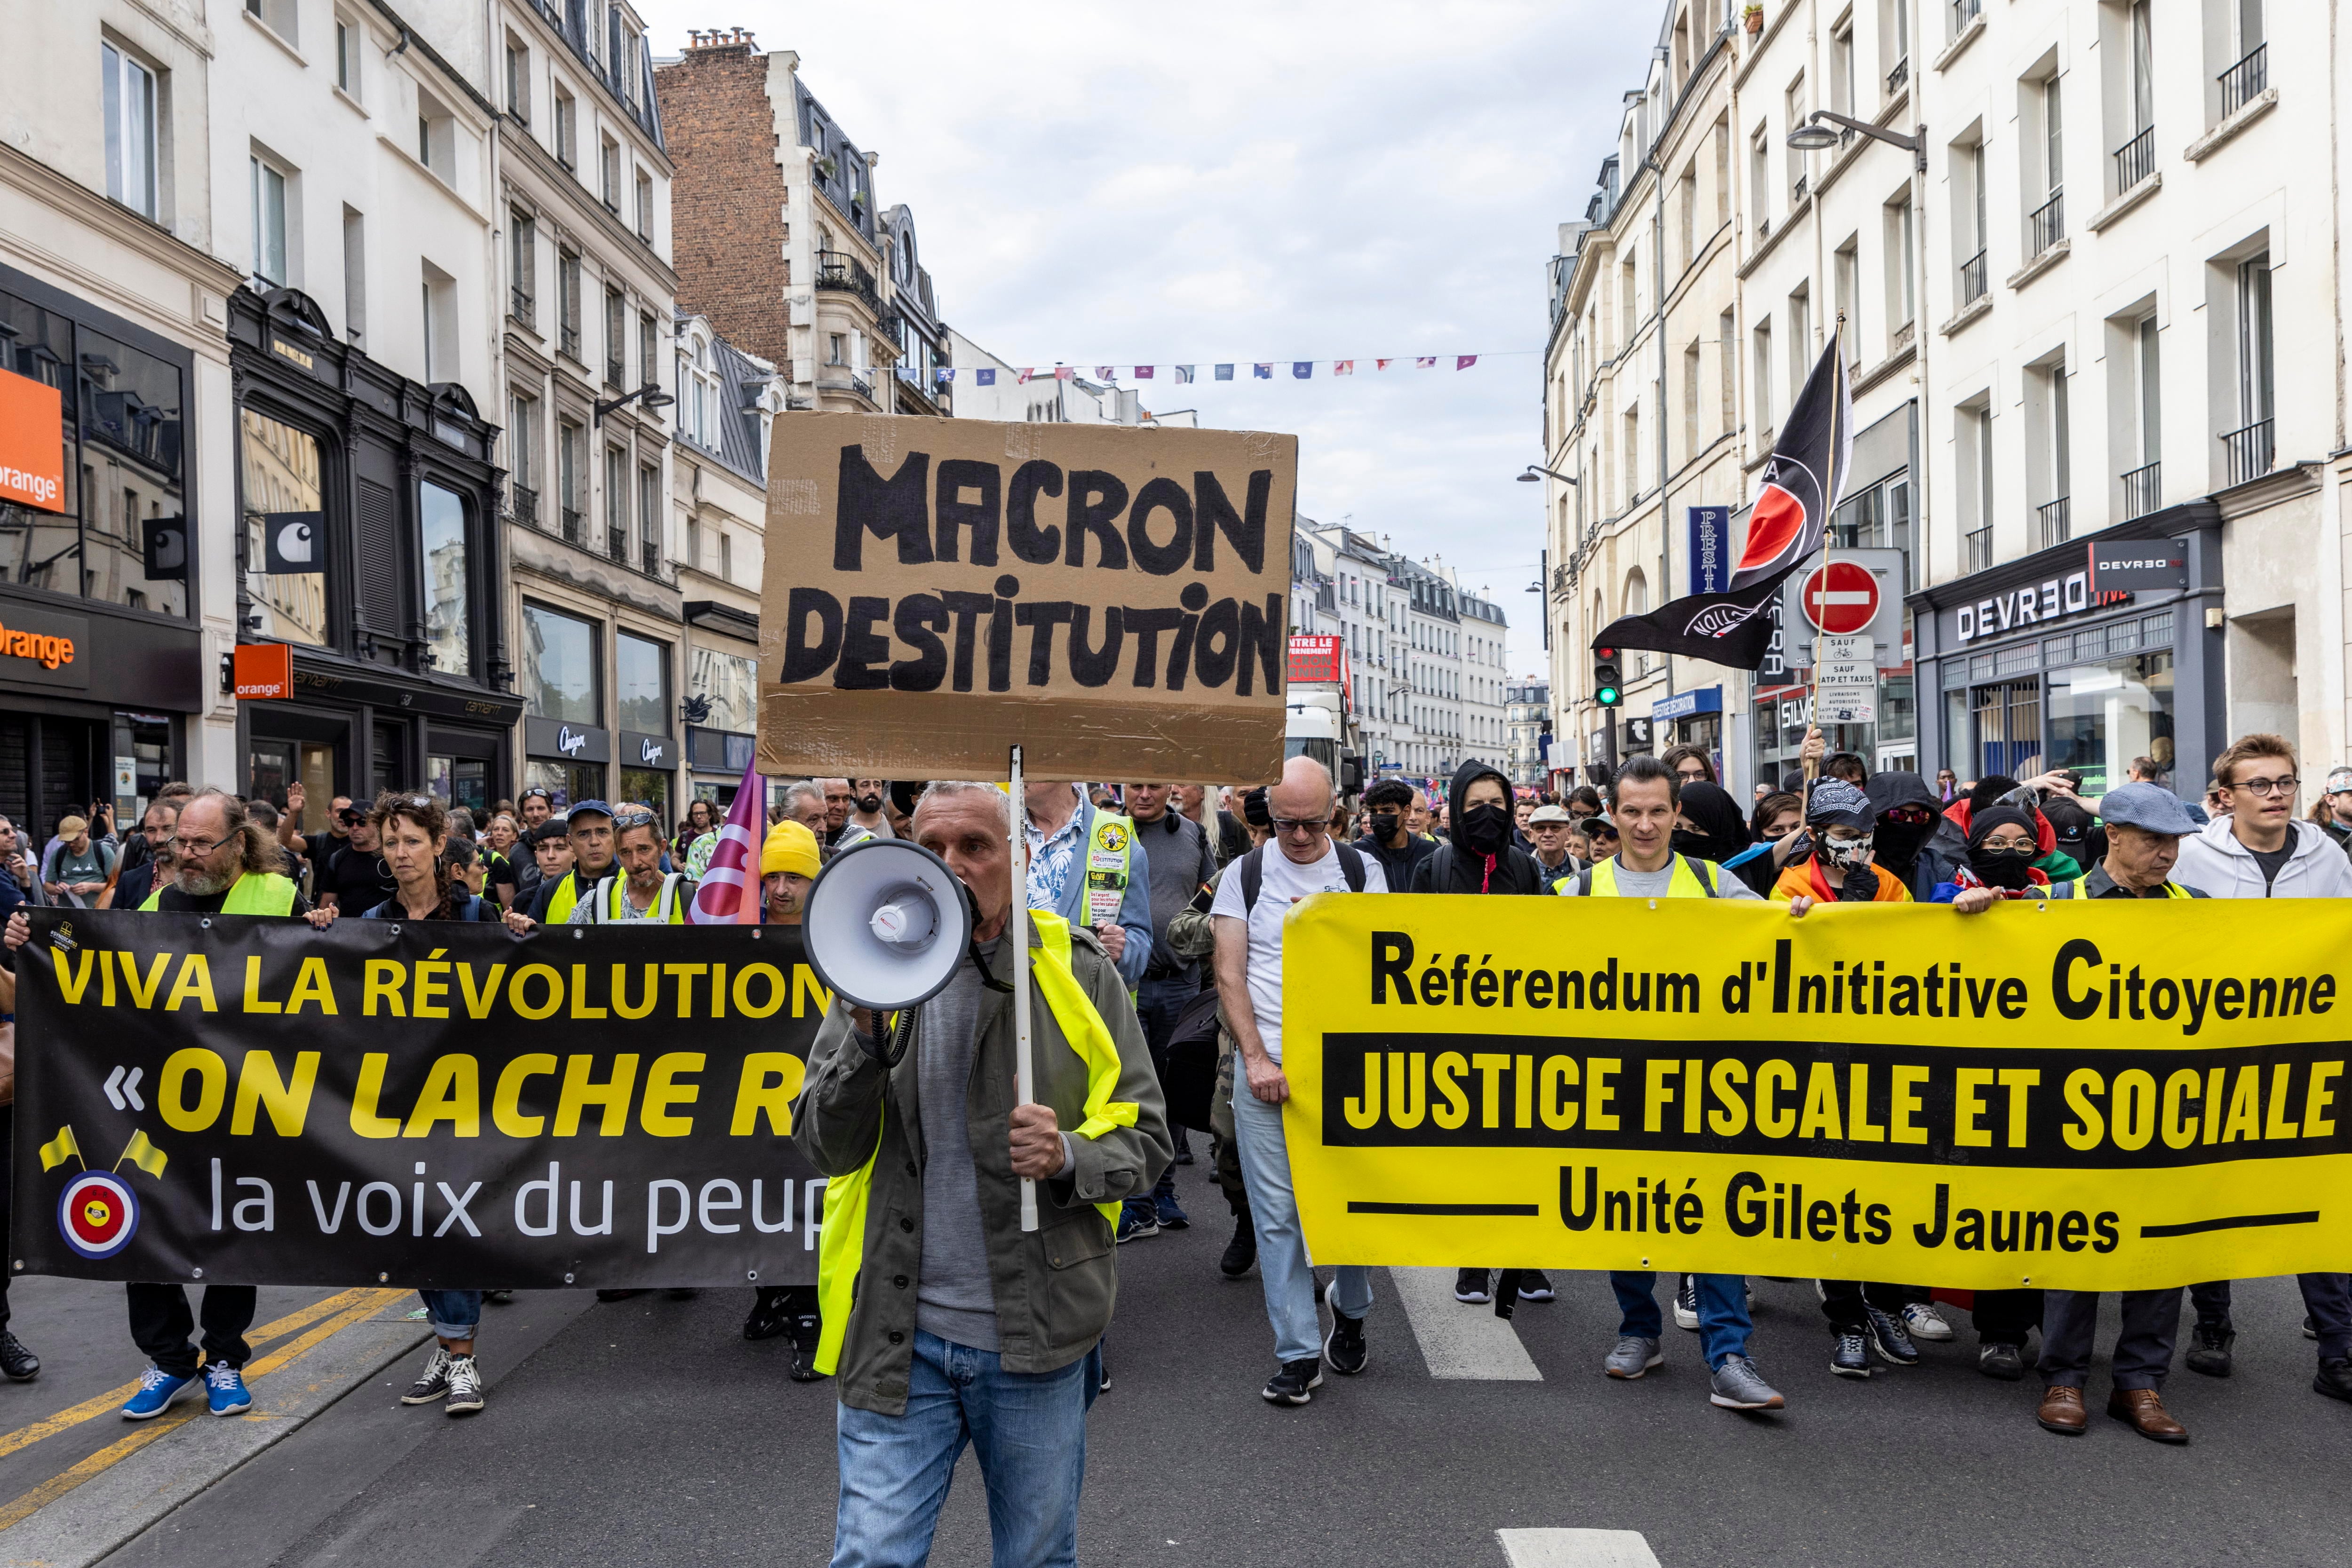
column 808, row 1332
column 2209, row 1349
column 1850, row 1355
column 1136, row 1222
column 1887, row 1338
column 1169, row 1213
column 224, row 1390
column 1241, row 1252
column 770, row 1315
column 1296, row 1383
column 158, row 1390
column 433, row 1382
column 1534, row 1285
column 21, row 1364
column 498, row 1298
column 1634, row 1356
column 464, row 1387
column 1687, row 1305
column 2334, row 1377
column 2005, row 1362
column 2310, row 1329
column 1471, row 1285
column 1343, row 1347
column 1737, row 1385
column 1924, row 1322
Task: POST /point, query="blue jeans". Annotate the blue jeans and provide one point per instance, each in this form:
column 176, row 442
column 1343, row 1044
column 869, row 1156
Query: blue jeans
column 456, row 1313
column 1288, row 1272
column 1030, row 1431
column 1723, row 1325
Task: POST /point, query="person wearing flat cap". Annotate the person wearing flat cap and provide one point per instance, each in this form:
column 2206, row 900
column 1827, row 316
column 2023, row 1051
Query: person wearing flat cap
column 1838, row 871
column 2146, row 823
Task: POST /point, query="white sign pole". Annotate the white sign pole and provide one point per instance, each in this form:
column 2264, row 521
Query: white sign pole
column 1024, row 1081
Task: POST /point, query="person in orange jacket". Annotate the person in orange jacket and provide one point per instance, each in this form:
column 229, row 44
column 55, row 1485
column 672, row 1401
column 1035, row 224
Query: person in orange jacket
column 1839, row 819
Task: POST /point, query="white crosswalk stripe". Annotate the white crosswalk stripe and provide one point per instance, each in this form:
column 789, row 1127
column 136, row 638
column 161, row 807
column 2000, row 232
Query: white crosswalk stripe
column 1577, row 1549
column 1459, row 1340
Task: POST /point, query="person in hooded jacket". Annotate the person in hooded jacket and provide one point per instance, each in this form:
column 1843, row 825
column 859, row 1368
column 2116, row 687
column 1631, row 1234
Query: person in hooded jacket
column 1388, row 837
column 1912, row 840
column 2000, row 858
column 1995, row 789
column 1709, row 826
column 1837, row 868
column 1482, row 859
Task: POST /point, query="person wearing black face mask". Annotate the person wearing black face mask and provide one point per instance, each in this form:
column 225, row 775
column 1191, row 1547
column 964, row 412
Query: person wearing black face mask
column 1387, row 806
column 1482, row 859
column 1913, row 840
column 2001, row 848
column 1710, row 827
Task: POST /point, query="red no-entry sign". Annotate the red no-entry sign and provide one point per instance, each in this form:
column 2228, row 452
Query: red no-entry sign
column 1841, row 598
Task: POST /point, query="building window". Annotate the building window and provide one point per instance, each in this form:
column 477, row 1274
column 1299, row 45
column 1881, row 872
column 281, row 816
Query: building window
column 1902, row 260
column 649, row 519
column 567, row 124
column 609, row 171
column 449, row 580
column 355, row 277
column 616, row 503
column 648, row 355
column 440, row 295
column 2143, row 481
column 2044, row 178
column 518, row 81
column 571, row 479
column 1762, row 363
column 129, row 93
column 567, row 301
column 285, row 523
column 644, row 205
column 437, row 136
column 617, row 343
column 726, row 556
column 522, row 268
column 1759, row 180
column 640, row 684
column 2250, row 447
column 523, row 458
column 269, row 183
column 347, row 57
column 1800, row 342
column 834, row 345
column 731, row 682
column 560, row 673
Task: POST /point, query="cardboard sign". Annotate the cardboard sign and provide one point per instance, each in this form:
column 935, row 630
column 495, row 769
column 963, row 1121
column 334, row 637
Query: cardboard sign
column 938, row 591
column 32, row 443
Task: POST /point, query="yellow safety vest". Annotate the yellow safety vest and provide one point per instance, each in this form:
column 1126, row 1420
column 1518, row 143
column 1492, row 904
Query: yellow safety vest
column 2171, row 890
column 263, row 894
column 566, row 894
column 841, row 1245
column 667, row 905
column 1684, row 884
column 1110, row 850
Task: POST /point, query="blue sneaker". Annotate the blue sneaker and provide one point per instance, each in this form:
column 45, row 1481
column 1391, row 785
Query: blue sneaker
column 157, row 1392
column 1169, row 1213
column 1136, row 1219
column 225, row 1387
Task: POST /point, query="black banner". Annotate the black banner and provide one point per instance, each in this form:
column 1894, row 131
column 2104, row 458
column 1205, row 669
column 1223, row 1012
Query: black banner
column 232, row 1100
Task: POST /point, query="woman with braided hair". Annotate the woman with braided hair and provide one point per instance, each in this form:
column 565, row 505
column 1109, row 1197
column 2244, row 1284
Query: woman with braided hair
column 413, row 834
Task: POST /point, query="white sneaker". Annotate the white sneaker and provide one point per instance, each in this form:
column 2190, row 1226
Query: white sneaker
column 1687, row 1305
column 1925, row 1321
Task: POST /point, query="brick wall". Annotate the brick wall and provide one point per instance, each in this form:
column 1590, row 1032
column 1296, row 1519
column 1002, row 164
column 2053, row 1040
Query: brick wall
column 726, row 230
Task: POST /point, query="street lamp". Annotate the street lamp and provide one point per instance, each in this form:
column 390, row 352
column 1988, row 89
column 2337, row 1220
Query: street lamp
column 1815, row 135
column 650, row 395
column 1536, row 471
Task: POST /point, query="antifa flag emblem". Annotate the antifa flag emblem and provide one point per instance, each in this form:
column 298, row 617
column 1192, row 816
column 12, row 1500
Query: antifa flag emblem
column 1785, row 526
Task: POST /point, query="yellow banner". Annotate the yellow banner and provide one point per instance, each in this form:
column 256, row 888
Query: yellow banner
column 2089, row 1096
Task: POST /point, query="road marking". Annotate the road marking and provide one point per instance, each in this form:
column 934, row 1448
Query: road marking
column 1456, row 1339
column 1577, row 1549
column 359, row 1305
column 49, row 1427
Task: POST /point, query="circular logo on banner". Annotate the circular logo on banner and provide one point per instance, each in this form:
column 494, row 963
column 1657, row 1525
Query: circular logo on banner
column 1841, row 598
column 97, row 1215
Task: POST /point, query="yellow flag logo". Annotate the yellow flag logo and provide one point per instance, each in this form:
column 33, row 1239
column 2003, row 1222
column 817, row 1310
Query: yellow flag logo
column 144, row 1154
column 60, row 1149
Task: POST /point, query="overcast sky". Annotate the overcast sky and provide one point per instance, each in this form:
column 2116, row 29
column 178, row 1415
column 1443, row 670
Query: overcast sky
column 1100, row 185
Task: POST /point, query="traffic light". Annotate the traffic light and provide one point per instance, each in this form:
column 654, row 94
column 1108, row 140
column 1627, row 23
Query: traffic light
column 1607, row 689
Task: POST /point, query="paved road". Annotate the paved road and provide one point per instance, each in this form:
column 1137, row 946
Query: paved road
column 648, row 1430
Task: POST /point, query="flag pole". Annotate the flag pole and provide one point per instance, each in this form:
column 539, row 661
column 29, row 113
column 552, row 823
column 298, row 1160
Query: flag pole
column 1024, row 1086
column 1829, row 542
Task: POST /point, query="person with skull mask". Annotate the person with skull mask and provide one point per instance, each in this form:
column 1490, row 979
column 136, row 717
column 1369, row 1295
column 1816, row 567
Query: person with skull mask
column 1838, row 870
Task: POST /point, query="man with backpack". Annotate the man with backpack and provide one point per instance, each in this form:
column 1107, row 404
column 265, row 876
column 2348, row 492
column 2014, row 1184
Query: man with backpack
column 1247, row 917
column 1178, row 863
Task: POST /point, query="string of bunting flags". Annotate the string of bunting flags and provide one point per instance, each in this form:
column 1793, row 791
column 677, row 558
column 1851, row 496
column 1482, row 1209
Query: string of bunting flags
column 1182, row 375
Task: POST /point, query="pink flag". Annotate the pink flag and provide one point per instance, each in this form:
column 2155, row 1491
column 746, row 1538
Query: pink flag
column 1425, row 362
column 1343, row 367
column 1064, row 373
column 1464, row 361
column 1106, row 373
column 1143, row 373
column 1025, row 374
column 729, row 894
column 1383, row 364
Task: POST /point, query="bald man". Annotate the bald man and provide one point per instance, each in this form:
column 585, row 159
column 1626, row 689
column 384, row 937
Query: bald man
column 1251, row 898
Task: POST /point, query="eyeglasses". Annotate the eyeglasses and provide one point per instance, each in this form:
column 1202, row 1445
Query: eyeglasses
column 1298, row 825
column 197, row 847
column 2019, row 852
column 2263, row 788
column 1917, row 816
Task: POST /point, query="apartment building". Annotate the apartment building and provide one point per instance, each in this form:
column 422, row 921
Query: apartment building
column 1526, row 718
column 921, row 385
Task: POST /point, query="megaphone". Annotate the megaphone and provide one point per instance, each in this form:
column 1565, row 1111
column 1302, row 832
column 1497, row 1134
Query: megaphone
column 886, row 924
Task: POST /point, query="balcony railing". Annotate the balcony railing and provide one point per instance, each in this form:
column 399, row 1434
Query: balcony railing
column 568, row 338
column 1979, row 542
column 1797, row 191
column 523, row 306
column 2250, row 450
column 650, row 556
column 1898, row 76
column 616, row 544
column 837, row 270
column 615, row 372
column 2136, row 160
column 2049, row 224
column 1964, row 12
column 525, row 504
column 1972, row 279
column 2050, row 524
column 2143, row 490
column 2244, row 82
column 574, row 526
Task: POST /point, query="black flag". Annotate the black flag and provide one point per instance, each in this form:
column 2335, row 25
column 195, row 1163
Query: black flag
column 1786, row 526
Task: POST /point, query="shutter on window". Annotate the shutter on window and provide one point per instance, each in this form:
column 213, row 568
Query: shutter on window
column 376, row 565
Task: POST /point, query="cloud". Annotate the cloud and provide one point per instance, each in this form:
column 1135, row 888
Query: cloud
column 1242, row 181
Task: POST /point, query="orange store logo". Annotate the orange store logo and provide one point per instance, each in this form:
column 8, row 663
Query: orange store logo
column 32, row 443
column 49, row 649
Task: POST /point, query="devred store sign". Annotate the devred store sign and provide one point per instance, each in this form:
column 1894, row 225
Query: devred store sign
column 1314, row 657
column 32, row 443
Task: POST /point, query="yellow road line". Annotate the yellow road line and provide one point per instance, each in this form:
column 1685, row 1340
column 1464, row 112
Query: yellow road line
column 114, row 1453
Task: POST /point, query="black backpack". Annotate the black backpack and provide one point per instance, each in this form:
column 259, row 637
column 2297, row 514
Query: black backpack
column 1253, row 870
column 1189, row 1082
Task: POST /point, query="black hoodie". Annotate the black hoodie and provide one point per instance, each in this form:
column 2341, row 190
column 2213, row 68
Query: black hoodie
column 1942, row 848
column 1452, row 868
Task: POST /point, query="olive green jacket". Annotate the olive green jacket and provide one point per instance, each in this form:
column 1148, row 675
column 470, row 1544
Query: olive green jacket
column 1055, row 1289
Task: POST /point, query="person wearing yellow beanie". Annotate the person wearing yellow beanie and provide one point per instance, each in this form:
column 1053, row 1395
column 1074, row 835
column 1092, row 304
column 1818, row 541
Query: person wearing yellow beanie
column 788, row 867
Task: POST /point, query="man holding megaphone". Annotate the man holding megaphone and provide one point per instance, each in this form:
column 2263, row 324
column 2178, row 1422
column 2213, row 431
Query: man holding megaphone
column 943, row 1320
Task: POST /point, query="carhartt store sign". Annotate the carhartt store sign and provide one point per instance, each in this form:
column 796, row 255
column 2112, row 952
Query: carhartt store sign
column 32, row 443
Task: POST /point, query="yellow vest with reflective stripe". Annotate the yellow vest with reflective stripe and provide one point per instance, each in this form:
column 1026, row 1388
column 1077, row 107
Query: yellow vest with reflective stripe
column 566, row 894
column 665, row 899
column 265, row 894
column 1682, row 884
column 2171, row 890
column 841, row 1245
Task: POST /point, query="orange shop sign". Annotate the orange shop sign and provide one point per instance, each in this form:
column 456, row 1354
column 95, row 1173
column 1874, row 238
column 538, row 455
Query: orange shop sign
column 44, row 649
column 32, row 443
column 264, row 670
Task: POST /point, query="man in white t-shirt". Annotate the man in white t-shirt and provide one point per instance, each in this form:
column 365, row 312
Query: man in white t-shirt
column 1300, row 861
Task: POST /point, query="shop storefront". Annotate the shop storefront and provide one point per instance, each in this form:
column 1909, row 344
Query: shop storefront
column 1691, row 719
column 722, row 698
column 573, row 746
column 101, row 664
column 369, row 546
column 2036, row 670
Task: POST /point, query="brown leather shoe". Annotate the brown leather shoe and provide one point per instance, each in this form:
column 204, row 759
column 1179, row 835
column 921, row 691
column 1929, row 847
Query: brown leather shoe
column 2143, row 1409
column 2061, row 1411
